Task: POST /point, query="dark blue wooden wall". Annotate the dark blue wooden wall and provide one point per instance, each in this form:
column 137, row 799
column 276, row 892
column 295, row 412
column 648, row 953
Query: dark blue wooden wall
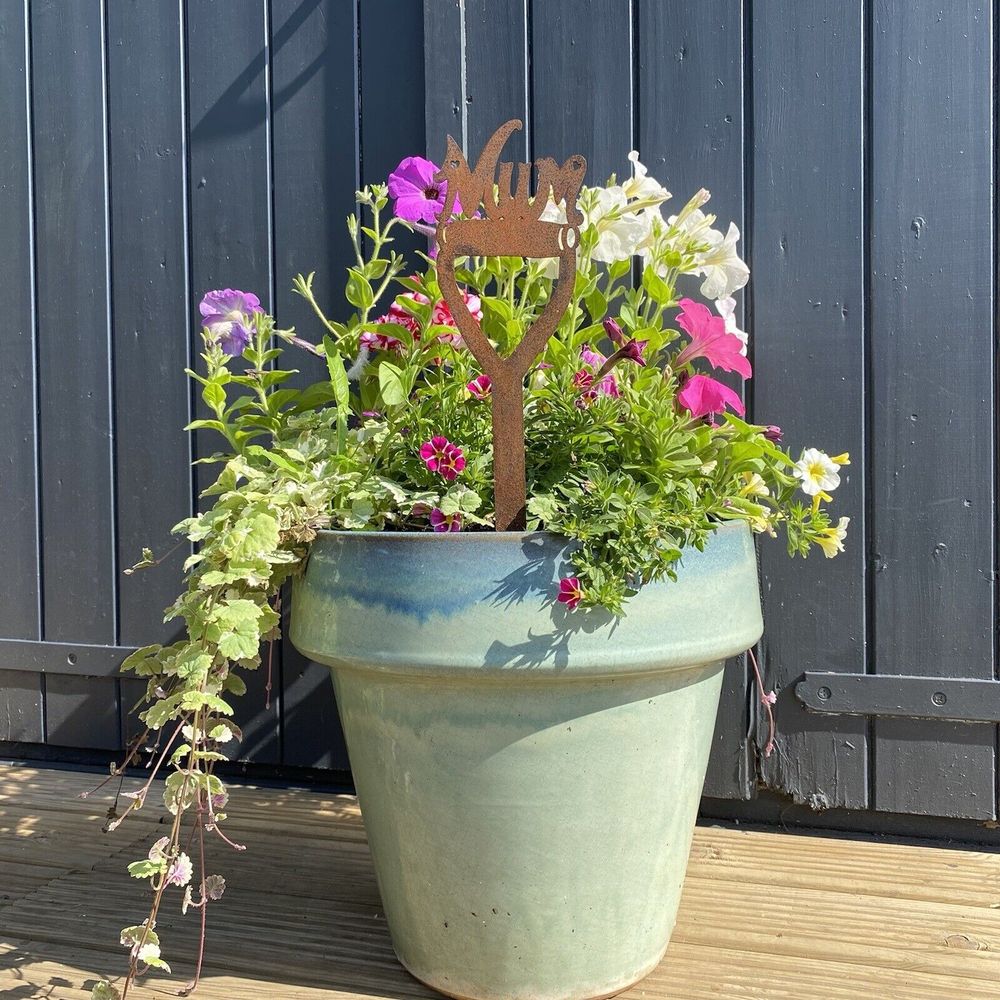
column 152, row 151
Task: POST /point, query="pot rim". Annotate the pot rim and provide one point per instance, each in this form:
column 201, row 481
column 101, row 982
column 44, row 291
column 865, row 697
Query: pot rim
column 480, row 536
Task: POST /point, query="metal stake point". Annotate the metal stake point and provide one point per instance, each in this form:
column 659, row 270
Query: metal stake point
column 510, row 227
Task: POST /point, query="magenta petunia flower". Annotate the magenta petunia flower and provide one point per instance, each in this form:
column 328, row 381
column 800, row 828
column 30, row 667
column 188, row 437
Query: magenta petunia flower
column 417, row 196
column 570, row 592
column 614, row 331
column 710, row 340
column 633, row 351
column 703, row 396
column 442, row 522
column 227, row 316
column 481, row 386
column 443, row 457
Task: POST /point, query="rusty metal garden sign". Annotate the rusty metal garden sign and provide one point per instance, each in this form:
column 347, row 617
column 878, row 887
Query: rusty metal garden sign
column 509, row 226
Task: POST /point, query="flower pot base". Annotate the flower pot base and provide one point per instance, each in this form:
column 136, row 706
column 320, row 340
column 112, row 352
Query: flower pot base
column 616, row 991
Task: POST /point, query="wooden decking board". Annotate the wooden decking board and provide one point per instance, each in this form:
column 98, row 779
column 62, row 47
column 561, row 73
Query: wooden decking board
column 774, row 916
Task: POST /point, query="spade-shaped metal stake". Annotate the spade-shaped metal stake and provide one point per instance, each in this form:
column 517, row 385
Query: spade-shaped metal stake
column 508, row 226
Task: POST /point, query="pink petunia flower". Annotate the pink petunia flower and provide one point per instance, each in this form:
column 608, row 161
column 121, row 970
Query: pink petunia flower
column 480, row 387
column 397, row 314
column 416, row 195
column 703, row 396
column 442, row 522
column 443, row 457
column 710, row 340
column 380, row 341
column 570, row 592
column 584, row 379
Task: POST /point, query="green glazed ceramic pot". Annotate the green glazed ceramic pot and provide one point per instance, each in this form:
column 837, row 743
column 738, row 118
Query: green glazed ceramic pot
column 529, row 777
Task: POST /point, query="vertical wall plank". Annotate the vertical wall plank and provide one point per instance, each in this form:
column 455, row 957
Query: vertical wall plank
column 932, row 384
column 808, row 291
column 690, row 135
column 581, row 83
column 231, row 213
column 470, row 92
column 392, row 106
column 150, row 305
column 21, row 698
column 315, row 176
column 496, row 67
column 444, row 81
column 74, row 358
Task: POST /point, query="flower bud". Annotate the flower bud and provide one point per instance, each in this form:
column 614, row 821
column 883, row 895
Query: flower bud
column 613, row 330
column 772, row 432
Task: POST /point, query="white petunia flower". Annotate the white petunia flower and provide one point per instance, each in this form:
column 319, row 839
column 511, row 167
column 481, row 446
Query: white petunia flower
column 641, row 185
column 721, row 266
column 831, row 540
column 726, row 308
column 818, row 472
column 620, row 228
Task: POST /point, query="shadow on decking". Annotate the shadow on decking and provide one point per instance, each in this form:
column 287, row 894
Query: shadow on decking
column 764, row 914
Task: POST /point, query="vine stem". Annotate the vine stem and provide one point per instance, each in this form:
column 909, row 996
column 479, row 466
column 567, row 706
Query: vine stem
column 767, row 700
column 192, row 985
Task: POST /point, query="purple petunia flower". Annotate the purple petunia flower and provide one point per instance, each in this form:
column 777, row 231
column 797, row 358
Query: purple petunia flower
column 416, row 195
column 226, row 314
column 442, row 522
column 443, row 457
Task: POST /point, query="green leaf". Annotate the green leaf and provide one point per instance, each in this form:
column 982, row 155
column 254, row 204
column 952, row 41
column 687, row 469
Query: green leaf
column 140, row 656
column 236, row 685
column 390, row 384
column 214, row 395
column 341, row 388
column 178, row 794
column 656, row 287
column 162, row 711
column 359, row 290
column 235, row 628
column 146, row 869
column 544, row 506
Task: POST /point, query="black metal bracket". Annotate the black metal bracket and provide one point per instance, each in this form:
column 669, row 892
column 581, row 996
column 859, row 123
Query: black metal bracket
column 75, row 658
column 959, row 699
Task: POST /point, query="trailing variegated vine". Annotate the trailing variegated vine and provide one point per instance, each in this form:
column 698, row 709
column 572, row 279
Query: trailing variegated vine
column 630, row 450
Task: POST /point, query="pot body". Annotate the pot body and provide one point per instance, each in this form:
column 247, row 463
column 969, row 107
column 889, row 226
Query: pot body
column 529, row 777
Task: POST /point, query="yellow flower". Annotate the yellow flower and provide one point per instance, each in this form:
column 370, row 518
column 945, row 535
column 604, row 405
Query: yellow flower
column 755, row 485
column 831, row 540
